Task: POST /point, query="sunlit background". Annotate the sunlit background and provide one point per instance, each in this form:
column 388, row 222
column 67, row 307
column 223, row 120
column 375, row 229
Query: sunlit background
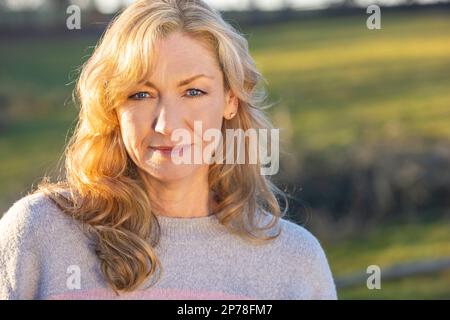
column 365, row 119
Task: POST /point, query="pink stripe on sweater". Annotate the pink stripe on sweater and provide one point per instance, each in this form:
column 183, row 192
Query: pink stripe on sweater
column 152, row 294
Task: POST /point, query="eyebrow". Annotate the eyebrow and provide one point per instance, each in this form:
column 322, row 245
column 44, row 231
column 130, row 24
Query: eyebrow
column 182, row 82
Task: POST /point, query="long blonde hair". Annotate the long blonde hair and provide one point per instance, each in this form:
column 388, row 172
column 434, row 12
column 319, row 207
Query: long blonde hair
column 102, row 186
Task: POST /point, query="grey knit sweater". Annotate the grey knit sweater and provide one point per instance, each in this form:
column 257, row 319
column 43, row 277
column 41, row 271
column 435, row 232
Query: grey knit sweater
column 44, row 254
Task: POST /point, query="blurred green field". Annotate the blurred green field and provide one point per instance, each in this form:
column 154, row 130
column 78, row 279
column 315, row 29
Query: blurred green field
column 339, row 83
column 344, row 84
column 393, row 245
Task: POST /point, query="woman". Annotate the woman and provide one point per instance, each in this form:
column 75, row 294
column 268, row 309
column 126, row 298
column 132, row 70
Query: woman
column 127, row 221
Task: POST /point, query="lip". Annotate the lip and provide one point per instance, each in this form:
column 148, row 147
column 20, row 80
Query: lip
column 163, row 148
column 167, row 150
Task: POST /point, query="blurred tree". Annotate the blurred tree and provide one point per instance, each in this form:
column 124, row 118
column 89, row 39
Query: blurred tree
column 349, row 3
column 59, row 5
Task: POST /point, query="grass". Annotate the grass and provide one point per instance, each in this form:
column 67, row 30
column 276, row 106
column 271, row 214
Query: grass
column 344, row 84
column 36, row 80
column 390, row 245
column 433, row 286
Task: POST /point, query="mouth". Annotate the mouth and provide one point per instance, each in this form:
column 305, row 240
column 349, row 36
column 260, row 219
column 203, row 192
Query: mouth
column 167, row 150
column 162, row 148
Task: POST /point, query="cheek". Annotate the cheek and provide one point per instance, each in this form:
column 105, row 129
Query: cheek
column 134, row 126
column 210, row 113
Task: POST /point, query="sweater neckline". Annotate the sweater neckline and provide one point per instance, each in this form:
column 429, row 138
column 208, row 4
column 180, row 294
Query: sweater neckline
column 185, row 229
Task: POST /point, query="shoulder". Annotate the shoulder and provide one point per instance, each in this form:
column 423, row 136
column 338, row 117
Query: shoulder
column 28, row 211
column 305, row 262
column 293, row 241
column 23, row 215
column 29, row 220
column 31, row 233
column 296, row 239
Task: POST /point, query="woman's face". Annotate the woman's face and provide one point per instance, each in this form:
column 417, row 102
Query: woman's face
column 186, row 86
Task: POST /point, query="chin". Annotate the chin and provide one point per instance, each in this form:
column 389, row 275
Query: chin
column 167, row 172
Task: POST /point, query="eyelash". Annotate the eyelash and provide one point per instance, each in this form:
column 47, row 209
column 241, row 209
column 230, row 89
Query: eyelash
column 133, row 96
column 201, row 91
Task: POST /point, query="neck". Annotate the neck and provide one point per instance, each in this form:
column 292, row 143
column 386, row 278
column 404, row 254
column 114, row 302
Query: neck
column 186, row 198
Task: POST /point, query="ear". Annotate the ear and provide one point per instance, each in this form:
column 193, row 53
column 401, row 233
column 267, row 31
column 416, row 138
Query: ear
column 231, row 105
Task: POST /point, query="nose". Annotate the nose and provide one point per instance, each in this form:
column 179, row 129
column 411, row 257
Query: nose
column 166, row 120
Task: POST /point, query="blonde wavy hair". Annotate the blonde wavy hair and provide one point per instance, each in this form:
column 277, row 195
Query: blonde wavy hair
column 103, row 188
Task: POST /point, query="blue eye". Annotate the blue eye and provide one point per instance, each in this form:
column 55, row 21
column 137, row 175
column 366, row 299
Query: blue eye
column 198, row 91
column 140, row 95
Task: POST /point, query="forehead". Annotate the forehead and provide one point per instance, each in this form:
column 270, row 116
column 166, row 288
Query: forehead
column 179, row 56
